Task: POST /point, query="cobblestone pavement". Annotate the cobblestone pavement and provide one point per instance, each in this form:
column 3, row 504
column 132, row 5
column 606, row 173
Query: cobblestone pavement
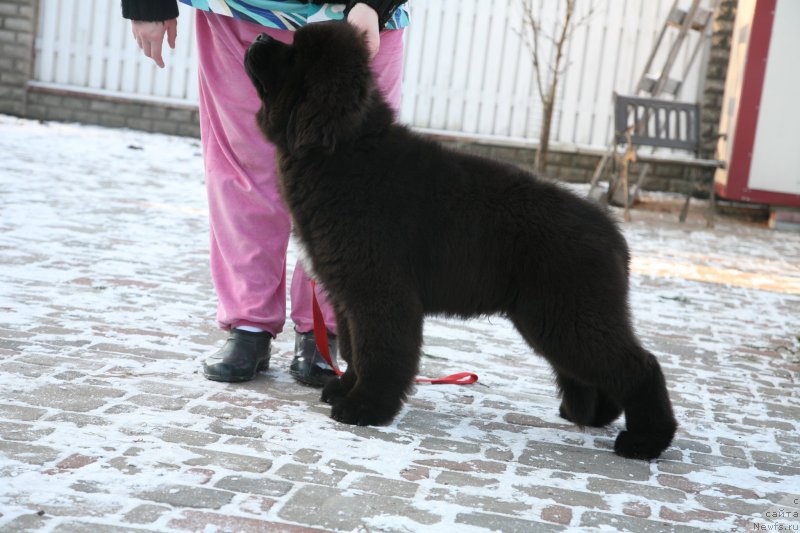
column 106, row 310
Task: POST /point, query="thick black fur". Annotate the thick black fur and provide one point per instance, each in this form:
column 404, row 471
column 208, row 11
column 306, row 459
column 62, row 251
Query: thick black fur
column 398, row 227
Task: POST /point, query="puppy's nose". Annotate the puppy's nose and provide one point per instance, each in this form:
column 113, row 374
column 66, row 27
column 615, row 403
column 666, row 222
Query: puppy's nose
column 264, row 38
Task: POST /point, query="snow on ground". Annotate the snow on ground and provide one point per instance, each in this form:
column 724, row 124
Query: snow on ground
column 106, row 309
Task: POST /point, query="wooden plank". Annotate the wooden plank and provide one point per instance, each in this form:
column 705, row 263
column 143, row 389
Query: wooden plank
column 474, row 84
column 522, row 90
column 99, row 44
column 46, row 52
column 120, row 45
column 442, row 61
column 63, row 45
column 179, row 59
column 491, row 68
column 428, row 50
column 462, row 54
column 80, row 42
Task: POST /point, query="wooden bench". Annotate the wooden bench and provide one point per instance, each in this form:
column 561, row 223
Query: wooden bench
column 655, row 123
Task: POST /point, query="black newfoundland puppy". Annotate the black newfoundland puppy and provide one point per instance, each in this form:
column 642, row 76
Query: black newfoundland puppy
column 398, row 227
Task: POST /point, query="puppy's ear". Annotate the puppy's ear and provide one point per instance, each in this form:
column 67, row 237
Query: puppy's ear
column 331, row 111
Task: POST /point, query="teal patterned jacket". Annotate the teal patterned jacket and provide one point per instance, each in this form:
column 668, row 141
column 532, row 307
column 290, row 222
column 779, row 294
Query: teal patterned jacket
column 287, row 14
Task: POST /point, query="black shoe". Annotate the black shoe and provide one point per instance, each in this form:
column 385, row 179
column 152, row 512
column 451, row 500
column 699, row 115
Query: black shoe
column 244, row 354
column 308, row 366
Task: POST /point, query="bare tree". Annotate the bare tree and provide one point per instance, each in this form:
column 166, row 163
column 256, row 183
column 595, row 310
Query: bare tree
column 548, row 73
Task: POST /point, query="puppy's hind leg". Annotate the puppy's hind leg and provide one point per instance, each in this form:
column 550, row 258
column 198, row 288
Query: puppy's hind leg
column 385, row 336
column 584, row 405
column 649, row 418
column 604, row 367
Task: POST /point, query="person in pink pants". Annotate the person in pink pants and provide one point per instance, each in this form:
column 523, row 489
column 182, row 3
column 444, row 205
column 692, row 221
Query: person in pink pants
column 250, row 226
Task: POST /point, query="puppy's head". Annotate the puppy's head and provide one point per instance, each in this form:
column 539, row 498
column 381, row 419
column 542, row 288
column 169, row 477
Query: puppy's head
column 315, row 92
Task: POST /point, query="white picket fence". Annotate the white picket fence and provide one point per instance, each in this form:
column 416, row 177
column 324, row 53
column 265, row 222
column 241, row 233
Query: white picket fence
column 467, row 70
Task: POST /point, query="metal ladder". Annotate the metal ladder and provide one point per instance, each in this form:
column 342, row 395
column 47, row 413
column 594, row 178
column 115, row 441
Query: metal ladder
column 695, row 18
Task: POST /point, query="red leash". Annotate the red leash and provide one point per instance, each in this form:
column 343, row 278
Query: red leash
column 321, row 338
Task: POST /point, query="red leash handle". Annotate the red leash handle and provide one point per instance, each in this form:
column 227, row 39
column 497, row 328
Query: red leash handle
column 321, row 339
column 461, row 378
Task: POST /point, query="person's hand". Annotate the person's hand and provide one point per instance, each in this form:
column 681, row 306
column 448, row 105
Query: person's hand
column 365, row 19
column 150, row 37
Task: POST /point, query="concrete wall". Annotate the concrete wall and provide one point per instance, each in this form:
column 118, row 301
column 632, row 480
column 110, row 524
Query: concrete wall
column 17, row 26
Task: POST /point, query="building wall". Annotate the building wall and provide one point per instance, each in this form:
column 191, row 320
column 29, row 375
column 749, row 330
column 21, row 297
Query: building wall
column 17, row 26
column 715, row 79
column 18, row 23
column 112, row 112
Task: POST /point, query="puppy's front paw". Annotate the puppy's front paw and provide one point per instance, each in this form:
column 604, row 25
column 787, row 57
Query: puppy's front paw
column 334, row 390
column 645, row 446
column 350, row 410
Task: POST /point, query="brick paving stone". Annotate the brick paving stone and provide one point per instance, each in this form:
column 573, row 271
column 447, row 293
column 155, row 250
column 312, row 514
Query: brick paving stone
column 432, row 443
column 558, row 457
column 476, row 465
column 123, row 465
column 26, row 522
column 422, row 422
column 387, row 487
column 598, row 485
column 201, row 520
column 185, row 436
column 227, row 413
column 166, row 403
column 230, row 429
column 23, row 432
column 676, row 467
column 90, row 487
column 73, row 462
column 730, row 505
column 636, row 508
column 187, row 496
column 329, row 508
column 19, row 412
column 338, row 464
column 78, row 419
column 499, row 454
column 254, row 485
column 232, row 461
column 558, row 514
column 78, row 505
column 457, row 479
column 506, row 524
column 259, row 446
column 595, row 519
column 71, row 397
column 145, row 513
column 167, row 389
column 83, row 527
column 732, row 451
column 307, row 456
column 303, row 473
column 692, row 515
column 775, row 458
column 485, row 501
column 416, row 473
column 28, row 453
column 569, row 497
column 788, row 471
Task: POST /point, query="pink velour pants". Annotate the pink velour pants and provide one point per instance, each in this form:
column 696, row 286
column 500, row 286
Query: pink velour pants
column 250, row 226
